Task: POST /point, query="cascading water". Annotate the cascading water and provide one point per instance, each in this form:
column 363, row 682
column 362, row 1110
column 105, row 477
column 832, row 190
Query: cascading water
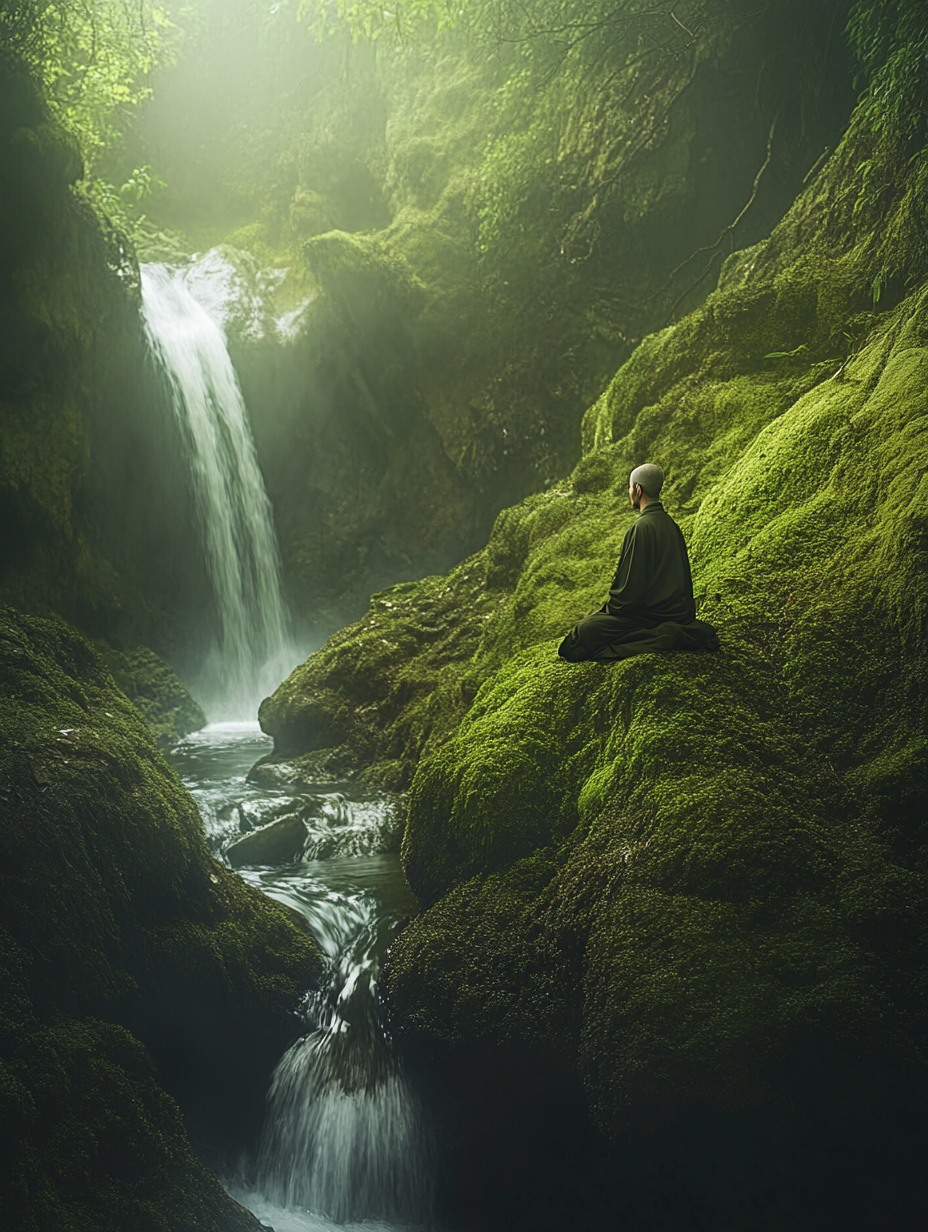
column 236, row 527
column 344, row 1137
column 344, row 1133
column 345, row 1142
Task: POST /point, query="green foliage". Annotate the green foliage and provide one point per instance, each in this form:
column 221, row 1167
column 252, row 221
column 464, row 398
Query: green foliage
column 890, row 40
column 563, row 24
column 122, row 205
column 93, row 58
column 370, row 20
column 550, row 61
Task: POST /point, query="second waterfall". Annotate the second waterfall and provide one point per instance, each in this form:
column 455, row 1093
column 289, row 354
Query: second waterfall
column 252, row 653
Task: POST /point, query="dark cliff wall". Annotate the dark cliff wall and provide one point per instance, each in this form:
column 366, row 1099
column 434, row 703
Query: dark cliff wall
column 98, row 523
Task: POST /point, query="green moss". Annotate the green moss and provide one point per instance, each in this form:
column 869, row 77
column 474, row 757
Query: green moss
column 711, row 904
column 156, row 692
column 676, row 871
column 401, row 682
column 115, row 910
column 90, row 1139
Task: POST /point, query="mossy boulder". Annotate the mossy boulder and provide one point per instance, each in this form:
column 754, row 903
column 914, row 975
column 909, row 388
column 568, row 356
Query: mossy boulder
column 694, row 881
column 90, row 1140
column 399, row 687
column 122, row 931
column 156, row 692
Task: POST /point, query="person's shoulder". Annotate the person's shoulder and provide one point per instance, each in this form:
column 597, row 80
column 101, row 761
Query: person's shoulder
column 655, row 516
column 658, row 522
column 664, row 518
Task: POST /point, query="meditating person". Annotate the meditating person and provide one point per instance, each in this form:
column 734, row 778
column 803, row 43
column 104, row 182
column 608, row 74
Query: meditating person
column 650, row 606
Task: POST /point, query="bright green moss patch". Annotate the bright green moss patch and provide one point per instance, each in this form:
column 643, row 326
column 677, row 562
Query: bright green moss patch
column 514, row 758
column 400, row 682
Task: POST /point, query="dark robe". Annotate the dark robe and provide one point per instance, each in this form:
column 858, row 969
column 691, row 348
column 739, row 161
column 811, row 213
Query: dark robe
column 650, row 605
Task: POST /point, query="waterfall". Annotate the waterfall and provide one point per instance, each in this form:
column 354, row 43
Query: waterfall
column 344, row 1136
column 233, row 510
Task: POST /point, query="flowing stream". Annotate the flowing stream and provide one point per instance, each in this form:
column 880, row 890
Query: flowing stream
column 345, row 1143
column 181, row 308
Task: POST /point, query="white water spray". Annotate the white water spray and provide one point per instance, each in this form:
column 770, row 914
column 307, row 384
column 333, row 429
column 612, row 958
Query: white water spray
column 253, row 653
column 345, row 1137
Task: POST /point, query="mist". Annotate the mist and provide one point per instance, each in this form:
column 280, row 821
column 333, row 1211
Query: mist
column 338, row 893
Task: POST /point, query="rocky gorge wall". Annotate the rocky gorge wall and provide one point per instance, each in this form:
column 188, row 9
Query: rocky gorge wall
column 684, row 894
column 97, row 515
column 480, row 233
column 691, row 884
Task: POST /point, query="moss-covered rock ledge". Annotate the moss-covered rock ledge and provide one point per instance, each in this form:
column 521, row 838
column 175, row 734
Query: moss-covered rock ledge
column 162, row 699
column 695, row 883
column 120, row 931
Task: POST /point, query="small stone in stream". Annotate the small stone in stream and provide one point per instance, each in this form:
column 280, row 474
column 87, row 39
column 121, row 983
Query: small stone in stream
column 253, row 814
column 278, row 843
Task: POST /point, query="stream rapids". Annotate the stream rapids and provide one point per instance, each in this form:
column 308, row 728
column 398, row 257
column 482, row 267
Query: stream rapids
column 345, row 1142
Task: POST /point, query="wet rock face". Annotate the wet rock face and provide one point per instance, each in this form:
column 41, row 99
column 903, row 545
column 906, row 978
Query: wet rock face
column 362, row 485
column 116, row 919
column 274, row 843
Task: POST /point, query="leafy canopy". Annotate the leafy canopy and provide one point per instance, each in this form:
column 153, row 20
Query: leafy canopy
column 568, row 23
column 93, row 59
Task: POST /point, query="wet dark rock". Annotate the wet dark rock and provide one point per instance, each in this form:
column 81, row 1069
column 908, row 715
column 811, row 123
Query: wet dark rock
column 120, row 933
column 276, row 843
column 308, row 772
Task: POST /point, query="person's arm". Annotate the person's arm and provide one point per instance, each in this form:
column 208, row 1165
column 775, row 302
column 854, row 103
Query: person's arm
column 628, row 585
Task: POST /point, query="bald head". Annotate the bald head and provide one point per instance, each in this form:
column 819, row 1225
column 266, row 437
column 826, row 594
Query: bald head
column 649, row 478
